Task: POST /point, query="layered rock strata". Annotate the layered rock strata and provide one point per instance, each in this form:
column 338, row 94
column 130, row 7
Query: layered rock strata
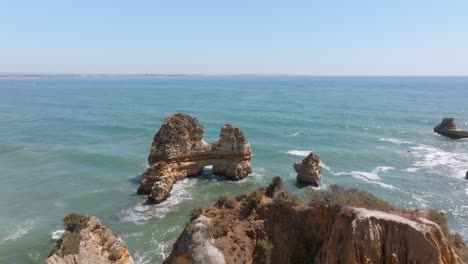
column 86, row 241
column 308, row 171
column 179, row 151
column 448, row 128
column 271, row 226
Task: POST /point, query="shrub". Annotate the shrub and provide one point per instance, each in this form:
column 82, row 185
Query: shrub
column 251, row 202
column 223, row 201
column 75, row 222
column 70, row 244
column 263, row 251
column 195, row 213
column 220, row 225
column 336, row 197
column 287, row 200
column 438, row 218
column 276, row 185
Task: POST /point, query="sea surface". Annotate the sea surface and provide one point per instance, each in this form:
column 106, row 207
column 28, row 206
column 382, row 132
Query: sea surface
column 80, row 145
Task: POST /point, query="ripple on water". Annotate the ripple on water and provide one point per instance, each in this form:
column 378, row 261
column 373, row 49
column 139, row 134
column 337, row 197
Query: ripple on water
column 18, row 231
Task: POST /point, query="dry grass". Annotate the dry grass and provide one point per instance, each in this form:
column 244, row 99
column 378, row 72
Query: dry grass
column 337, row 197
column 287, row 200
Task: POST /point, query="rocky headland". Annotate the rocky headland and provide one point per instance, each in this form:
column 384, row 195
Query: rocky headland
column 269, row 225
column 87, row 240
column 337, row 226
column 179, row 151
column 448, row 128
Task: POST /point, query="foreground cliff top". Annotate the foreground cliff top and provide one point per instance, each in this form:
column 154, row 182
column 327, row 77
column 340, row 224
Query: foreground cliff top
column 338, row 226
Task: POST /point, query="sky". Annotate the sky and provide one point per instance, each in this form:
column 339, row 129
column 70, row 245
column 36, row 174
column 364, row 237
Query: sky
column 352, row 37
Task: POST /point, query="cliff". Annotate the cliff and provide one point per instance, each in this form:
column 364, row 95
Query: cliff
column 272, row 226
column 87, row 240
column 179, row 151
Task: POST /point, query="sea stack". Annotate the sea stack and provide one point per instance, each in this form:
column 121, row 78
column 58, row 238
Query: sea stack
column 449, row 129
column 308, row 171
column 87, row 240
column 179, row 151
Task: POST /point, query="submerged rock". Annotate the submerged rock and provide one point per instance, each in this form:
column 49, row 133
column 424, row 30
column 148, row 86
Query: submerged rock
column 308, row 171
column 87, row 240
column 179, row 151
column 448, row 128
column 272, row 226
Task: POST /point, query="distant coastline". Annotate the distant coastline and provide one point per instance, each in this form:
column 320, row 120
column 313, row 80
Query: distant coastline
column 39, row 75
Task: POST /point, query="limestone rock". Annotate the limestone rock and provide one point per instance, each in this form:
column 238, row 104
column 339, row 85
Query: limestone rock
column 308, row 171
column 87, row 241
column 179, row 151
column 281, row 230
column 195, row 245
column 448, row 128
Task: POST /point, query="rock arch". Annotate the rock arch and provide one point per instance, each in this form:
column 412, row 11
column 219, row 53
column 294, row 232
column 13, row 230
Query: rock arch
column 179, row 151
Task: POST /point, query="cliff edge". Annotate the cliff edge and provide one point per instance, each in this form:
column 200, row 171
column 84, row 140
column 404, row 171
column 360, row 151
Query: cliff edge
column 272, row 226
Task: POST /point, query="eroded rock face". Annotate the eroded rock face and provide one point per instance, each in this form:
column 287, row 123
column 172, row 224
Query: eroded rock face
column 195, row 246
column 179, row 151
column 449, row 129
column 281, row 230
column 87, row 240
column 308, row 171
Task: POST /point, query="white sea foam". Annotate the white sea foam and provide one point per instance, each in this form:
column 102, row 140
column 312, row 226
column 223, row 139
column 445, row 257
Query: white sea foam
column 411, row 169
column 438, row 161
column 59, row 203
column 371, row 177
column 137, row 234
column 57, row 234
column 396, row 141
column 34, row 255
column 421, row 202
column 294, row 134
column 142, row 212
column 160, row 252
column 18, row 231
column 433, row 159
column 300, row 153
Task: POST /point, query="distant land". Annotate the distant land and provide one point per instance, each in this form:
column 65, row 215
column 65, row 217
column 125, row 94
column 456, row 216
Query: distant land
column 47, row 75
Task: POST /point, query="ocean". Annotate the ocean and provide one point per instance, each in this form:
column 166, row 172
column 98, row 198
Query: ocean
column 80, row 145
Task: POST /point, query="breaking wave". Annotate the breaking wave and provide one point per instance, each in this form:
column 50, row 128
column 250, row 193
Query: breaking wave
column 57, row 234
column 300, row 153
column 396, row 141
column 371, row 177
column 142, row 212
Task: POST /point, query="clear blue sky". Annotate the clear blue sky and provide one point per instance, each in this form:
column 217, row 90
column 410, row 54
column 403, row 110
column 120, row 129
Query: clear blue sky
column 349, row 37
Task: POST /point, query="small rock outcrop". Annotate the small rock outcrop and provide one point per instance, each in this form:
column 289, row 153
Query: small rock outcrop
column 179, row 151
column 87, row 240
column 271, row 226
column 466, row 175
column 308, row 171
column 448, row 128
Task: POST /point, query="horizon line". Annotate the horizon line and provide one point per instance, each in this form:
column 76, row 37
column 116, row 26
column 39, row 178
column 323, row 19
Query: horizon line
column 84, row 75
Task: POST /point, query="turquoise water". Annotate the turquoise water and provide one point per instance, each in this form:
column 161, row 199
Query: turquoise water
column 80, row 144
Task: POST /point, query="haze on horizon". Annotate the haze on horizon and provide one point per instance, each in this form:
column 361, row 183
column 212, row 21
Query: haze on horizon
column 237, row 37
